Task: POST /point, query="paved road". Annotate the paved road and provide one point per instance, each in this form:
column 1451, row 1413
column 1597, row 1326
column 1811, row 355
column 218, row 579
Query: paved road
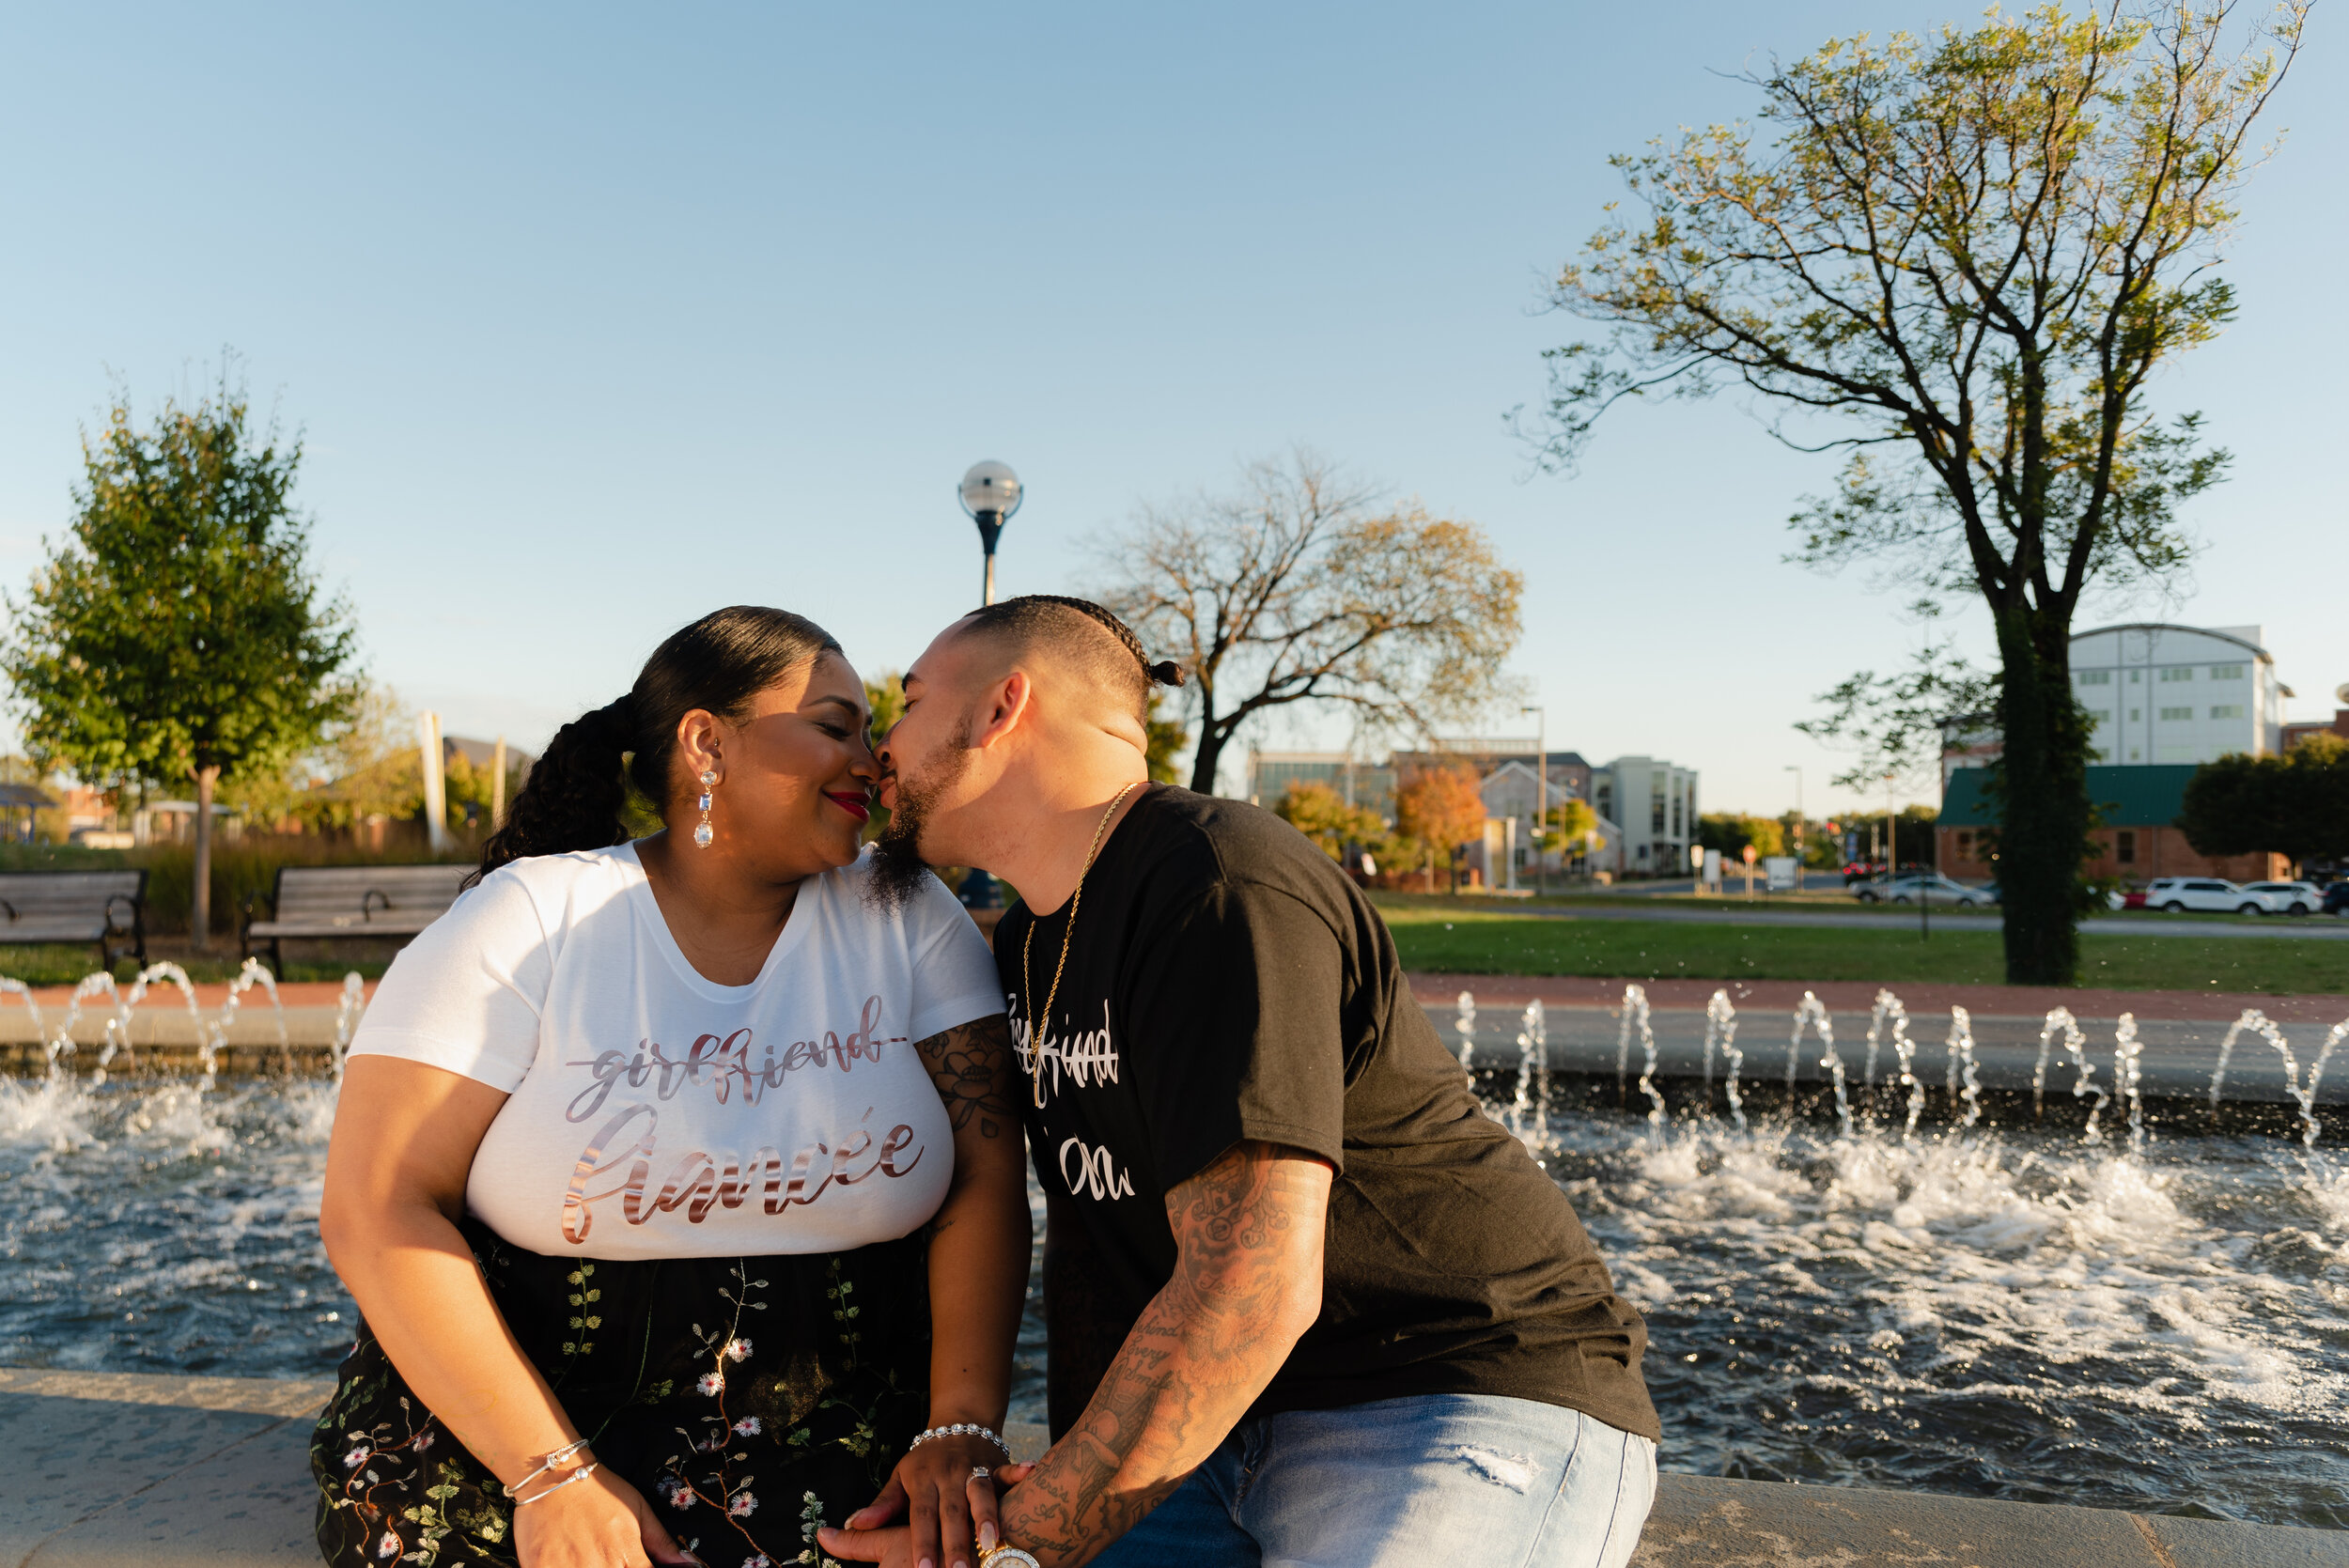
column 1736, row 912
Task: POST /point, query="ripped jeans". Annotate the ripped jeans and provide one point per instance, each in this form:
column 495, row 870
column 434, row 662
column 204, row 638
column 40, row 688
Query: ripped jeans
column 1436, row 1478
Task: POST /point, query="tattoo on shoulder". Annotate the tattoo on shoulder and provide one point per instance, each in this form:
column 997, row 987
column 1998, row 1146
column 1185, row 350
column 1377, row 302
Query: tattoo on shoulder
column 970, row 1064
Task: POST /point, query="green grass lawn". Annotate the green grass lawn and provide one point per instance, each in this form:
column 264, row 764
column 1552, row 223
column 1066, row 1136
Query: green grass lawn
column 64, row 965
column 1483, row 941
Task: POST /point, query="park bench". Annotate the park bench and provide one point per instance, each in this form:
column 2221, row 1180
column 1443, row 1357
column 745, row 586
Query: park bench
column 337, row 903
column 106, row 908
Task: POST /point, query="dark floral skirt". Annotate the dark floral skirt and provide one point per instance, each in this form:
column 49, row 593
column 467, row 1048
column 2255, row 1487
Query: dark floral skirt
column 750, row 1399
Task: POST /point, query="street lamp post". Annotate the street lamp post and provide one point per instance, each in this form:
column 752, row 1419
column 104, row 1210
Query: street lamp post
column 1541, row 789
column 991, row 494
column 1799, row 825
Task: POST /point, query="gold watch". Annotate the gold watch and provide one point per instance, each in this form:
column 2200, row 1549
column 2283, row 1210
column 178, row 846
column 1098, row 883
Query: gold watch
column 1002, row 1556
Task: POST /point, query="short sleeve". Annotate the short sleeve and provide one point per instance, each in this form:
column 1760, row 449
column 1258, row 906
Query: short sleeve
column 954, row 973
column 466, row 995
column 1235, row 1009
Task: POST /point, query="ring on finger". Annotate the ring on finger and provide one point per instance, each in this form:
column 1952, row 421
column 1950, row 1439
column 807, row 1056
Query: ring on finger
column 980, row 1472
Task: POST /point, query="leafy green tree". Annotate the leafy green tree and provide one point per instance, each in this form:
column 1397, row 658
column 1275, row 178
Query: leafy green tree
column 1961, row 259
column 2295, row 805
column 1165, row 739
column 178, row 632
column 1731, row 831
column 1322, row 814
column 1567, row 827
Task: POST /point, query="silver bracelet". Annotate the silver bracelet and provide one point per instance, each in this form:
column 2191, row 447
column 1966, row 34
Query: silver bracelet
column 571, row 1480
column 552, row 1459
column 961, row 1429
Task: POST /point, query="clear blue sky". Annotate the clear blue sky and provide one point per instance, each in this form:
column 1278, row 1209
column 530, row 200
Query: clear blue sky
column 596, row 318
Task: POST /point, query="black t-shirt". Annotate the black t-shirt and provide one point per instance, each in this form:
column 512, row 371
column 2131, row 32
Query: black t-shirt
column 1226, row 981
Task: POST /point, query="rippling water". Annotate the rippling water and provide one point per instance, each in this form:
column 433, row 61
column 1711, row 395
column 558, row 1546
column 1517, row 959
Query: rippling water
column 152, row 1227
column 1989, row 1314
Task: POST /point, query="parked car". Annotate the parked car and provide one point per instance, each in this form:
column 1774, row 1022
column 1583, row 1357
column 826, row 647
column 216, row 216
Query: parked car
column 2337, row 898
column 2177, row 894
column 2126, row 898
column 2290, row 898
column 1932, row 888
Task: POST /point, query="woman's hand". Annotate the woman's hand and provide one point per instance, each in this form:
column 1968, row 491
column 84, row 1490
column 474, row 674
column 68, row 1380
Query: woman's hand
column 943, row 1504
column 601, row 1522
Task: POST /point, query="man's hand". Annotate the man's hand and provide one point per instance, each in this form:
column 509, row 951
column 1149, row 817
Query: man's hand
column 1247, row 1284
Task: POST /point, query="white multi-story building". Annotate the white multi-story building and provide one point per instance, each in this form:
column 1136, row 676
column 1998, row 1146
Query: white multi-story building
column 1655, row 803
column 2178, row 693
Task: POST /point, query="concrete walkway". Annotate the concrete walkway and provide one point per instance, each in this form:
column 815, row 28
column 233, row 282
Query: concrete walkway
column 1736, row 911
column 112, row 1470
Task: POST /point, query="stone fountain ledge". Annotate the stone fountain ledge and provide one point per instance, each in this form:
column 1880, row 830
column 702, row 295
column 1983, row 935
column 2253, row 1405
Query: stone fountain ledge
column 112, row 1469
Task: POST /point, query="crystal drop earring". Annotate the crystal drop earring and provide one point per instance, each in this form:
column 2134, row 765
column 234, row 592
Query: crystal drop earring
column 703, row 832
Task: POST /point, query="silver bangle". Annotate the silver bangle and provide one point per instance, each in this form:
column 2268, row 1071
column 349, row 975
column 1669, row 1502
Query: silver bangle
column 552, row 1460
column 571, row 1480
column 961, row 1429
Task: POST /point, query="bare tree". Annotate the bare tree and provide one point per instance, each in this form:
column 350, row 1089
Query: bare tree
column 1295, row 588
column 1977, row 248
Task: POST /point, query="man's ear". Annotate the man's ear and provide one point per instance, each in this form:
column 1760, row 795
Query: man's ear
column 1002, row 708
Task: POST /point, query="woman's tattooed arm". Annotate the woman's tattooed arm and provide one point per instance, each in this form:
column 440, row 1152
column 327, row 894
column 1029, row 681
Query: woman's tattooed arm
column 1247, row 1284
column 970, row 1064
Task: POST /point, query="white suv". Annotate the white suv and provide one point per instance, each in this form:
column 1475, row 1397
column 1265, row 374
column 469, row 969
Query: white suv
column 2290, row 898
column 2179, row 893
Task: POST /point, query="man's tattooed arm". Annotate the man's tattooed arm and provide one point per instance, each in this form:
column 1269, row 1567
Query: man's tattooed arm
column 971, row 1066
column 1247, row 1284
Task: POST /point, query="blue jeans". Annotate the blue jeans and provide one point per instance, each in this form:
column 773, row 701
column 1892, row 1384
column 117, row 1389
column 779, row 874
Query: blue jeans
column 1433, row 1479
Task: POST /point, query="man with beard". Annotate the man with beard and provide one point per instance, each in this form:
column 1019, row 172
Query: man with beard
column 1306, row 1301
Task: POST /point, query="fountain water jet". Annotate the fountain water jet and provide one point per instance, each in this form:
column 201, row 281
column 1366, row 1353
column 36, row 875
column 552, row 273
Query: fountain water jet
column 1465, row 1024
column 1810, row 1010
column 2058, row 1018
column 1533, row 1059
column 1721, row 1019
column 2126, row 1050
column 1965, row 1082
column 354, row 1003
column 2253, row 1019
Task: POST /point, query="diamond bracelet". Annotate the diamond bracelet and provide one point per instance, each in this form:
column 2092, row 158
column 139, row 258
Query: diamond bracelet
column 961, row 1429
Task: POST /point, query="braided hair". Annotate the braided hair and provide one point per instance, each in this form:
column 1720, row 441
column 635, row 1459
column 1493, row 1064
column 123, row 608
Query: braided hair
column 573, row 794
column 1031, row 619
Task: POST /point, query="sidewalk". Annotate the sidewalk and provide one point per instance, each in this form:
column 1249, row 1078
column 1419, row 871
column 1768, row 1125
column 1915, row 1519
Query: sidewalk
column 1440, row 990
column 122, row 1470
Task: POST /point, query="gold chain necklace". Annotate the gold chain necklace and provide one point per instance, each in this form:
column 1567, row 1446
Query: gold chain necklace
column 1027, row 987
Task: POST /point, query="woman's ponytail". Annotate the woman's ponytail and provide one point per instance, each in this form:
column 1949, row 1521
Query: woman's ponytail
column 571, row 798
column 573, row 795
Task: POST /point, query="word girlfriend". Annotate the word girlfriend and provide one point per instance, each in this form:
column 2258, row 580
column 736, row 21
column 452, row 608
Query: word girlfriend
column 725, row 1061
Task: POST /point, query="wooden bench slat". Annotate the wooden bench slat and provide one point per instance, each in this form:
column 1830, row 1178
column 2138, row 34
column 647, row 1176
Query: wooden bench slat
column 75, row 907
column 329, row 903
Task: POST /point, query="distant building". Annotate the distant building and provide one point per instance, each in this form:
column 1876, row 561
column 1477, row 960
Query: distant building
column 1509, row 792
column 1355, row 781
column 2294, row 734
column 2165, row 696
column 2138, row 802
column 1655, row 804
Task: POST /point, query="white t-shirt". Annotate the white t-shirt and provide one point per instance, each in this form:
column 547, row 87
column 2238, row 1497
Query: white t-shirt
column 657, row 1114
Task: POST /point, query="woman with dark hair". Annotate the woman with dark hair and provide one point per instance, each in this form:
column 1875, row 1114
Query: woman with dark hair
column 679, row 1182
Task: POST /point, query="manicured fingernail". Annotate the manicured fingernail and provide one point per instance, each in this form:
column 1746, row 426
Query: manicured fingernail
column 927, row 1563
column 987, row 1536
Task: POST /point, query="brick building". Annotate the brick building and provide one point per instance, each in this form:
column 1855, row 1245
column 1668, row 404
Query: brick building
column 2140, row 807
column 2294, row 734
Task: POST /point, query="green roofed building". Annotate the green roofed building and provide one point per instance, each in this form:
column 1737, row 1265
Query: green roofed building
column 2137, row 807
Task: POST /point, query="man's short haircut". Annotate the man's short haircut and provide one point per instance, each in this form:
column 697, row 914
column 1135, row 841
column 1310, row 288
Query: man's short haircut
column 1085, row 635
